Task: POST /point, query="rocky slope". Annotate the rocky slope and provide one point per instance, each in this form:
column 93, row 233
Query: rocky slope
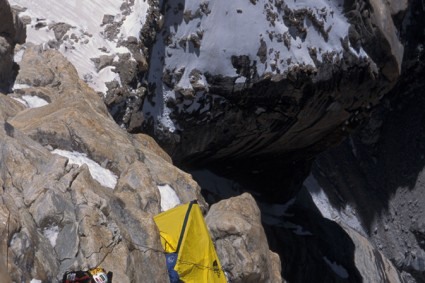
column 78, row 191
column 252, row 89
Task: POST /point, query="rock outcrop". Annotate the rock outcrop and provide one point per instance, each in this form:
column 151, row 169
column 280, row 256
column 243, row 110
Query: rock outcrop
column 235, row 225
column 59, row 215
column 254, row 102
column 291, row 87
column 12, row 31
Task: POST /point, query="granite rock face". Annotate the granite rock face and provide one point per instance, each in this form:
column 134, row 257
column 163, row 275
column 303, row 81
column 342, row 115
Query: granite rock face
column 235, row 226
column 78, row 191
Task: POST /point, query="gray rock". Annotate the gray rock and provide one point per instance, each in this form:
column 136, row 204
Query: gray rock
column 58, row 217
column 280, row 112
column 103, row 61
column 60, row 29
column 235, row 226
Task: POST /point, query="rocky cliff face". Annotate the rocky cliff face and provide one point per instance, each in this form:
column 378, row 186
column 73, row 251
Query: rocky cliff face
column 378, row 172
column 251, row 89
column 293, row 83
column 78, row 191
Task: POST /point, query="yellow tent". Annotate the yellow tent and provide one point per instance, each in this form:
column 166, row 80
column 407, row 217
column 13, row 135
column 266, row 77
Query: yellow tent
column 184, row 232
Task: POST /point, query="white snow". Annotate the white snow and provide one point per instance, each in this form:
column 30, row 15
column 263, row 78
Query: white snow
column 31, row 101
column 85, row 17
column 18, row 55
column 51, row 233
column 337, row 268
column 134, row 22
column 237, row 28
column 20, row 86
column 347, row 215
column 35, row 281
column 169, row 198
column 104, row 176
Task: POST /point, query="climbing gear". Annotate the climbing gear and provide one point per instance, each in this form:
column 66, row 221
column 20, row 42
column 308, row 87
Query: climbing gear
column 99, row 275
column 95, row 275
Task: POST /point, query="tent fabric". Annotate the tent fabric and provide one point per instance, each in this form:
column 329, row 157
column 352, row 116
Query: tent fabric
column 197, row 260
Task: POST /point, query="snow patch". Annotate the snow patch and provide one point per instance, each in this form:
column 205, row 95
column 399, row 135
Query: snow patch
column 135, row 21
column 104, row 176
column 31, row 101
column 51, row 233
column 18, row 55
column 169, row 198
column 35, row 281
column 337, row 268
column 301, row 231
column 347, row 215
column 86, row 35
column 20, row 86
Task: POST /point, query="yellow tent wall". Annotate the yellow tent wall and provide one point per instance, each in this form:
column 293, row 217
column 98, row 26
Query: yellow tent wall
column 197, row 259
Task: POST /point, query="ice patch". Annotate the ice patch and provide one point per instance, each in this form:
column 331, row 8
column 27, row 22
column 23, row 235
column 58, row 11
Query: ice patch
column 31, row 101
column 301, row 231
column 51, row 233
column 104, row 176
column 169, row 198
column 338, row 269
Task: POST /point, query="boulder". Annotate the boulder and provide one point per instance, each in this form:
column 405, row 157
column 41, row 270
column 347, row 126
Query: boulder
column 235, row 226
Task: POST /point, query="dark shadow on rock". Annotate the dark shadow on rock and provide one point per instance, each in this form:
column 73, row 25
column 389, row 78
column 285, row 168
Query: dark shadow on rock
column 388, row 154
column 307, row 243
column 379, row 171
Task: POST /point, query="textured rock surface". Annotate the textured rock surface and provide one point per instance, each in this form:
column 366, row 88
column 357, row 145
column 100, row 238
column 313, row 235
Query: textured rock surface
column 372, row 264
column 235, row 225
column 298, row 86
column 210, row 86
column 379, row 171
column 58, row 216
